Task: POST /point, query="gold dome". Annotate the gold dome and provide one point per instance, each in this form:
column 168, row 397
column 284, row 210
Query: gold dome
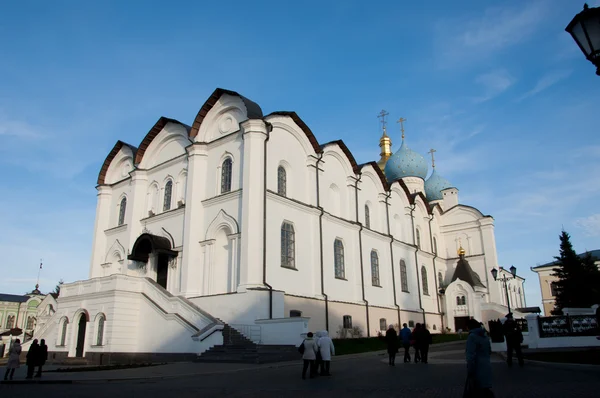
column 461, row 251
column 385, row 143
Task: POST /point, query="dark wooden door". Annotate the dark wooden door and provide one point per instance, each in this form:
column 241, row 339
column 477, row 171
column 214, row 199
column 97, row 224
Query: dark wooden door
column 81, row 336
column 460, row 322
column 162, row 270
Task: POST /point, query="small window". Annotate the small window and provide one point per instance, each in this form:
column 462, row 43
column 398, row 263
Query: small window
column 458, row 300
column 367, row 217
column 554, row 289
column 288, row 245
column 226, row 175
column 403, row 276
column 375, row 268
column 122, row 208
column 440, row 279
column 382, row 324
column 463, row 300
column 347, row 322
column 434, row 247
column 281, row 181
column 30, row 323
column 411, row 324
column 10, row 322
column 63, row 335
column 424, row 280
column 100, row 335
column 295, row 314
column 418, row 239
column 168, row 194
column 338, row 249
column 434, row 327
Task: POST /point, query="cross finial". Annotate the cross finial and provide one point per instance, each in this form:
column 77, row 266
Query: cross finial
column 381, row 118
column 432, row 151
column 401, row 121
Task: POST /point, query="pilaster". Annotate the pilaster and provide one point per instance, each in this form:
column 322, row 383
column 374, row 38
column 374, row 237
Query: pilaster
column 100, row 225
column 137, row 204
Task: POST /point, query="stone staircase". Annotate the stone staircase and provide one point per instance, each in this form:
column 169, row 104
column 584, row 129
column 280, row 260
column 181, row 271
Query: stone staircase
column 237, row 348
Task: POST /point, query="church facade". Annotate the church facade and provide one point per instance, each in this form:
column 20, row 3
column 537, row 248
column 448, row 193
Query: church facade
column 245, row 220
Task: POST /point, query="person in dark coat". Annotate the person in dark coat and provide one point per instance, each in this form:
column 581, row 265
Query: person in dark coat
column 514, row 338
column 32, row 358
column 479, row 367
column 405, row 337
column 423, row 340
column 391, row 339
column 413, row 341
column 42, row 357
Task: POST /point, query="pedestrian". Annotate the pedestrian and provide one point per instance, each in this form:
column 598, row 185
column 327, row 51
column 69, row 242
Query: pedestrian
column 14, row 361
column 479, row 367
column 309, row 355
column 414, row 343
column 423, row 340
column 391, row 339
column 405, row 337
column 326, row 349
column 42, row 358
column 514, row 338
column 32, row 358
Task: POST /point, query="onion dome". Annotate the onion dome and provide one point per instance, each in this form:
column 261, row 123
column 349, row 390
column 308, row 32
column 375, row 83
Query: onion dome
column 405, row 163
column 434, row 186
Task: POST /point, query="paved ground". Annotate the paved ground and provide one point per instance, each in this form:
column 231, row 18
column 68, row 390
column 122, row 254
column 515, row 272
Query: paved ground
column 358, row 376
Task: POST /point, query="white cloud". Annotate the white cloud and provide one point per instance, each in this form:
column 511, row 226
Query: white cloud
column 18, row 129
column 546, row 81
column 494, row 83
column 590, row 225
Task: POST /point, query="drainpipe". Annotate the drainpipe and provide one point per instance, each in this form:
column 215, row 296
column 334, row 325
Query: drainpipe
column 387, row 215
column 412, row 220
column 360, row 246
column 319, row 160
column 269, row 129
column 437, row 287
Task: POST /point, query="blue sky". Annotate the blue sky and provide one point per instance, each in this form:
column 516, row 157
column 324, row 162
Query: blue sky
column 499, row 89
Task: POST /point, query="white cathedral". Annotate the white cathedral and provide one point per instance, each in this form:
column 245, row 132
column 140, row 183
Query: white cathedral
column 246, row 221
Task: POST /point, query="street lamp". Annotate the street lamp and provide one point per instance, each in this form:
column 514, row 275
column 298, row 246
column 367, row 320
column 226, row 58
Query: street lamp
column 585, row 29
column 513, row 271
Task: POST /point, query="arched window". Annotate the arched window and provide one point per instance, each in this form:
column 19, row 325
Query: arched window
column 403, row 276
column 375, row 268
column 434, row 245
column 30, row 323
column 295, row 314
column 226, row 175
column 434, row 327
column 458, row 300
column 63, row 335
column 338, row 250
column 424, row 279
column 100, row 334
column 382, row 324
column 10, row 322
column 168, row 195
column 281, row 181
column 287, row 245
column 347, row 321
column 418, row 239
column 367, row 217
column 122, row 208
column 440, row 279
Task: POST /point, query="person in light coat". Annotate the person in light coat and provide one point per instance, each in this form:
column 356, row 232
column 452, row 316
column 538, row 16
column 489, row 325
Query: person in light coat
column 13, row 359
column 326, row 349
column 309, row 355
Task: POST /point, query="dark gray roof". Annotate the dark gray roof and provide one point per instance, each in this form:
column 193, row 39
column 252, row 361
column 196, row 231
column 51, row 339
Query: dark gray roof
column 464, row 272
column 529, row 310
column 13, row 298
column 594, row 253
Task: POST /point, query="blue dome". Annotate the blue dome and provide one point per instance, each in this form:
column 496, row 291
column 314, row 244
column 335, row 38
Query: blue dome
column 405, row 163
column 434, row 186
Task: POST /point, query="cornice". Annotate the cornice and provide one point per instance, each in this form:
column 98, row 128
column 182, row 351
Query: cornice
column 237, row 194
column 165, row 214
column 115, row 230
column 292, row 202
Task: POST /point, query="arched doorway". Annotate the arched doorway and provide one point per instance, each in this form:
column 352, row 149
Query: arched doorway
column 158, row 249
column 81, row 335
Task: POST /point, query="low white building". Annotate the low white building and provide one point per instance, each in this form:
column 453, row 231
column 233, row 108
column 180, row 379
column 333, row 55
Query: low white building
column 245, row 219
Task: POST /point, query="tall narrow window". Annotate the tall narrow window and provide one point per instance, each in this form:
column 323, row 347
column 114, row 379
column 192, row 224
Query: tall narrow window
column 375, row 268
column 403, row 276
column 440, row 279
column 226, row 176
column 338, row 250
column 554, row 289
column 281, row 181
column 424, row 279
column 100, row 335
column 347, row 319
column 463, row 300
column 168, row 195
column 458, row 300
column 10, row 322
column 122, row 208
column 382, row 324
column 434, row 245
column 418, row 239
column 63, row 335
column 30, row 323
column 287, row 245
column 367, row 217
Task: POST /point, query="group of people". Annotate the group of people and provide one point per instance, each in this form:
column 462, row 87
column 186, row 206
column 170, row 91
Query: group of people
column 36, row 358
column 316, row 354
column 419, row 338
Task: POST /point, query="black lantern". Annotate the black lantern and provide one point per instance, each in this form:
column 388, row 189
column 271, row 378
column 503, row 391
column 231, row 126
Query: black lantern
column 585, row 29
column 495, row 273
column 513, row 270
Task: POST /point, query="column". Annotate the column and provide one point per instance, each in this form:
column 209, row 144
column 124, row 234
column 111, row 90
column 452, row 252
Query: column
column 207, row 248
column 136, row 203
column 234, row 281
column 101, row 224
column 253, row 196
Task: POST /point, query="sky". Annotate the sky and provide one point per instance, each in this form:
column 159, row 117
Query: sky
column 499, row 89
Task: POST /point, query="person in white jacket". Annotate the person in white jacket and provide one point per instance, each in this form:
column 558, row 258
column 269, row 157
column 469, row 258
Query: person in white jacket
column 326, row 349
column 309, row 355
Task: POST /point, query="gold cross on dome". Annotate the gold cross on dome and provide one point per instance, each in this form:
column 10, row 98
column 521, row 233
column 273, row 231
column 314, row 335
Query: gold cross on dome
column 432, row 151
column 401, row 121
column 381, row 118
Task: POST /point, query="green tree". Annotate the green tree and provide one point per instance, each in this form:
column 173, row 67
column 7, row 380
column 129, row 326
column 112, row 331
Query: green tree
column 57, row 288
column 577, row 285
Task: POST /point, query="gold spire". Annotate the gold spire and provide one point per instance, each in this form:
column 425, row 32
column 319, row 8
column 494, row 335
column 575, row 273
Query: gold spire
column 401, row 121
column 432, row 151
column 461, row 251
column 385, row 142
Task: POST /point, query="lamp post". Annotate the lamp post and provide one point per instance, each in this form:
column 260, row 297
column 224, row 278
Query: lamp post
column 585, row 30
column 513, row 271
